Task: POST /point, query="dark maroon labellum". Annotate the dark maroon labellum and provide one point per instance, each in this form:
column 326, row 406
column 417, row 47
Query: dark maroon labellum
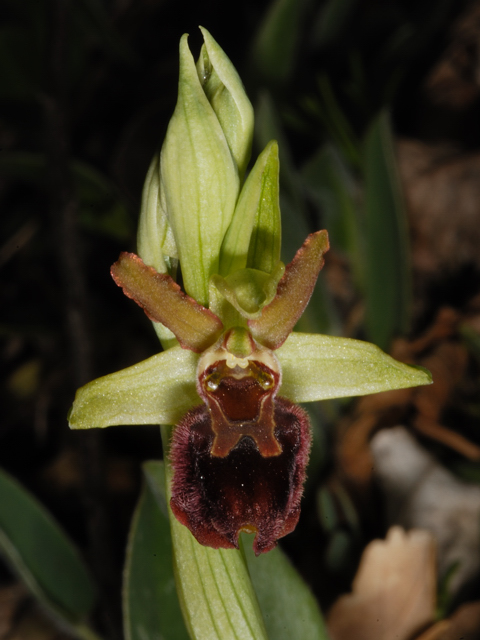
column 217, row 496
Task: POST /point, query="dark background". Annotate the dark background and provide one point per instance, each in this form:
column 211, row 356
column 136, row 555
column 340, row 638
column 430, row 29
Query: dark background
column 87, row 88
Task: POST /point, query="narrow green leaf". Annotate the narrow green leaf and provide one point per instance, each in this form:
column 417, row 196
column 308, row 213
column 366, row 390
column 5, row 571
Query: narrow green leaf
column 215, row 591
column 332, row 186
column 225, row 92
column 336, row 123
column 158, row 390
column 331, row 20
column 42, row 555
column 288, row 606
column 258, row 205
column 387, row 281
column 194, row 326
column 199, row 179
column 274, row 50
column 150, row 604
column 268, row 126
column 316, row 367
column 319, row 316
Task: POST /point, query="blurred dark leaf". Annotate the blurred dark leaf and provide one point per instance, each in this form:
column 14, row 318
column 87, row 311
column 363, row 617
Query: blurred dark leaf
column 42, row 555
column 150, row 602
column 387, row 273
column 273, row 54
column 288, row 607
column 331, row 19
column 101, row 207
column 334, row 188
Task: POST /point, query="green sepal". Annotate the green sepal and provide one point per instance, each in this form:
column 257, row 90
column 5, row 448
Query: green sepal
column 388, row 287
column 249, row 290
column 317, row 367
column 266, row 241
column 254, row 236
column 226, row 94
column 213, row 585
column 155, row 391
column 194, row 326
column 155, row 241
column 199, row 180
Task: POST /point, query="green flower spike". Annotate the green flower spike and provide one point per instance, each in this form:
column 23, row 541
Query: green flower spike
column 240, row 448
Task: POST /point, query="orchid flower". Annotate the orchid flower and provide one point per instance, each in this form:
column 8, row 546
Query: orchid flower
column 232, row 368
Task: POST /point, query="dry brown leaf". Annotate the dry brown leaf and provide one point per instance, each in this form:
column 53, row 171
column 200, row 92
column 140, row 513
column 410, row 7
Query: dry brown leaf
column 455, row 80
column 455, row 441
column 11, row 599
column 354, row 458
column 21, row 618
column 419, row 492
column 447, row 364
column 442, row 192
column 393, row 594
column 437, row 632
column 464, row 624
column 447, row 359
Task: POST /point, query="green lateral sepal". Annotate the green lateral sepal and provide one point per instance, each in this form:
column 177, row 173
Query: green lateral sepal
column 159, row 390
column 317, row 367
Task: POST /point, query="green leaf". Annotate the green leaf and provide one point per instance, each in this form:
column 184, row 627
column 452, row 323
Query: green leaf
column 215, row 591
column 274, row 50
column 335, row 121
column 158, row 390
column 42, row 555
column 332, row 186
column 225, row 92
column 199, row 180
column 268, row 126
column 257, row 211
column 320, row 315
column 387, row 281
column 316, row 367
column 288, row 606
column 333, row 16
column 150, row 604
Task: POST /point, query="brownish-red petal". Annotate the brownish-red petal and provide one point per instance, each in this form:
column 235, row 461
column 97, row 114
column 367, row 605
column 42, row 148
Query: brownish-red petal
column 279, row 317
column 195, row 327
